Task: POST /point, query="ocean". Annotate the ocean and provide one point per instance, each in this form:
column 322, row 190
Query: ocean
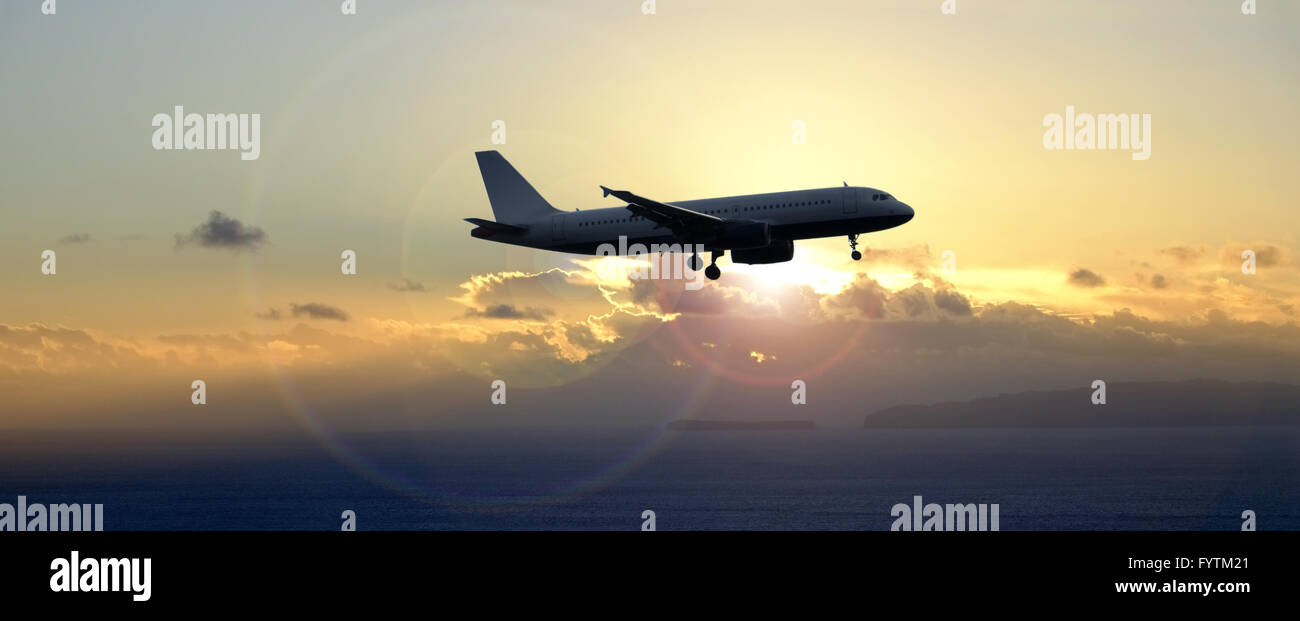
column 602, row 479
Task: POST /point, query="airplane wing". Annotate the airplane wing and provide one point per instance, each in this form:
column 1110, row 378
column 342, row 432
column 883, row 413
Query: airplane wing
column 679, row 219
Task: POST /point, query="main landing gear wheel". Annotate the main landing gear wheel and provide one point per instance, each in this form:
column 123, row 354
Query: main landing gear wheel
column 712, row 272
column 695, row 262
column 853, row 244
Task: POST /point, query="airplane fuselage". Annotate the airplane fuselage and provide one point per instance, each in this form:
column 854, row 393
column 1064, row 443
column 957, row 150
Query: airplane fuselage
column 800, row 214
column 754, row 228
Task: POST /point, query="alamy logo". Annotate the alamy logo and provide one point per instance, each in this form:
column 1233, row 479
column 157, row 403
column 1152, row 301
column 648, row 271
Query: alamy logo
column 667, row 262
column 934, row 516
column 60, row 517
column 213, row 131
column 102, row 575
column 1100, row 132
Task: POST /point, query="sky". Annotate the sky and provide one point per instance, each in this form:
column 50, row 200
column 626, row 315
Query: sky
column 1070, row 265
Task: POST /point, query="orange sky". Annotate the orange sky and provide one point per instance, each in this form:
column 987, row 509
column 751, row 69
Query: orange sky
column 370, row 123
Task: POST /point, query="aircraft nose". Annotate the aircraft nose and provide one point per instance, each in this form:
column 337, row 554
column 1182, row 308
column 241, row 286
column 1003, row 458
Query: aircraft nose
column 908, row 212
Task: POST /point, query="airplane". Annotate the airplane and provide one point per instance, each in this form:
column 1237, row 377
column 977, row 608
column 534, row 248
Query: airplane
column 756, row 228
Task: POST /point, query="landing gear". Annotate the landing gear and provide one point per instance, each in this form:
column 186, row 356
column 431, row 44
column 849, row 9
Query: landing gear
column 853, row 244
column 712, row 272
column 695, row 262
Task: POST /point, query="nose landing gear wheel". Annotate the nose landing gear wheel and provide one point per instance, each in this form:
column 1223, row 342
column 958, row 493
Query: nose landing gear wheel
column 857, row 256
column 853, row 244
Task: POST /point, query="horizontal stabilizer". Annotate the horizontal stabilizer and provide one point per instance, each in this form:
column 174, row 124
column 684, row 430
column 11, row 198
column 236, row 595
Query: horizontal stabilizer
column 496, row 226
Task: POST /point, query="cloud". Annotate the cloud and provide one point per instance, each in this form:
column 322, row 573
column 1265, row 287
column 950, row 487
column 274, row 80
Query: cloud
column 864, row 295
column 75, row 238
column 406, row 285
column 574, row 296
column 1087, row 278
column 221, row 231
column 316, row 310
column 45, row 349
column 589, row 340
column 867, row 298
column 913, row 257
column 760, row 357
column 1204, row 279
column 509, row 311
column 670, row 296
column 1266, row 254
column 270, row 314
column 952, row 302
column 920, row 343
column 567, row 322
column 1182, row 254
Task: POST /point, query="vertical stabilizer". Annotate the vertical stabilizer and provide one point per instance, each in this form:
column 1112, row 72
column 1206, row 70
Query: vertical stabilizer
column 513, row 199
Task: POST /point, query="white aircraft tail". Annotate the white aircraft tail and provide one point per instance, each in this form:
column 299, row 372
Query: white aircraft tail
column 513, row 199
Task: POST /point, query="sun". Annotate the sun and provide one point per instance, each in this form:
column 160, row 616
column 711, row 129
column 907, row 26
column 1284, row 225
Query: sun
column 810, row 267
